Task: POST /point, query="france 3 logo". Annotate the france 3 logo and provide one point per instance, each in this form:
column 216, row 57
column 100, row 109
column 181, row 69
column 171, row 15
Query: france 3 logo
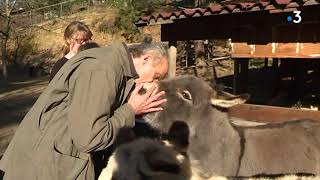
column 296, row 19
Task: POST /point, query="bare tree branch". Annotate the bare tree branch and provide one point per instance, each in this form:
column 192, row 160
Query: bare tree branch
column 11, row 8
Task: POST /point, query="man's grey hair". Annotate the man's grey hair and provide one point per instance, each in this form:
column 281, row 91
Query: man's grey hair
column 156, row 49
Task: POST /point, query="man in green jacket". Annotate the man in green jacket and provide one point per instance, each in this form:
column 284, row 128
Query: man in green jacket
column 82, row 110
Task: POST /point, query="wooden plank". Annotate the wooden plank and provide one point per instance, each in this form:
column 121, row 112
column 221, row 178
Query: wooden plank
column 310, row 49
column 262, row 113
column 263, row 50
column 313, row 56
column 287, row 49
column 240, row 49
column 172, row 52
column 276, row 50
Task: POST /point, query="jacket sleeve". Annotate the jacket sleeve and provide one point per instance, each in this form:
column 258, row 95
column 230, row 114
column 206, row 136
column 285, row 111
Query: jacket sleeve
column 93, row 119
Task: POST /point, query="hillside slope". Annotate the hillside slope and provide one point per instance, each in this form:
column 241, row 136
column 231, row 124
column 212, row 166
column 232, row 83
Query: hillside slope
column 48, row 36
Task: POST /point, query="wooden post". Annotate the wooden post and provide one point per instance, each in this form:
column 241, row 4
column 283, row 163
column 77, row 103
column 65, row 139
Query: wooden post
column 172, row 53
column 240, row 77
column 235, row 75
column 244, row 68
column 275, row 76
column 266, row 62
column 300, row 77
column 275, row 63
column 4, row 59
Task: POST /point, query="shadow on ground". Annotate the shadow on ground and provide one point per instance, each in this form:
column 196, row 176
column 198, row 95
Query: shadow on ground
column 16, row 98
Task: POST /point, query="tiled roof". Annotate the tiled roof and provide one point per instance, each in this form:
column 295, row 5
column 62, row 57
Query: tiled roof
column 227, row 7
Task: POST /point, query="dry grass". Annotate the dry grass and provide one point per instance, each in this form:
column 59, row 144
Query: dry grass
column 49, row 35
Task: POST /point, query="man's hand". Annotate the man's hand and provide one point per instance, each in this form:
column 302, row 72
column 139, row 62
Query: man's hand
column 148, row 102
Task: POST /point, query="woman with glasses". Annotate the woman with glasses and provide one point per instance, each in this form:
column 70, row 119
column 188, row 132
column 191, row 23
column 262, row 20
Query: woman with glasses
column 75, row 35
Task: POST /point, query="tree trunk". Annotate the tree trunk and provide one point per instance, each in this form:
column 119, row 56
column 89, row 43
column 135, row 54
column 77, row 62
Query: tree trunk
column 16, row 51
column 4, row 60
column 5, row 40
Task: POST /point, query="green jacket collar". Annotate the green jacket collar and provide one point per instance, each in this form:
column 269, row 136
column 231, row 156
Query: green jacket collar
column 129, row 69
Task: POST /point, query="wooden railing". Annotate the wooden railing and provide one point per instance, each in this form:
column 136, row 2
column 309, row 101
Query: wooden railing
column 261, row 113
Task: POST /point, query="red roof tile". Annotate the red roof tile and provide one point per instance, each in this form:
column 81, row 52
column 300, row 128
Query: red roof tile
column 246, row 5
column 145, row 18
column 215, row 8
column 202, row 11
column 166, row 14
column 283, row 2
column 229, row 6
column 177, row 13
column 264, row 4
column 189, row 12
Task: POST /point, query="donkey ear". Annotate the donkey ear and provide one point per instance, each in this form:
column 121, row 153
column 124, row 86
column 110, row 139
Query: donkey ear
column 228, row 100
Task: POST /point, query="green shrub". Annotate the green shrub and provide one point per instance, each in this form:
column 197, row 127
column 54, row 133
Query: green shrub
column 129, row 12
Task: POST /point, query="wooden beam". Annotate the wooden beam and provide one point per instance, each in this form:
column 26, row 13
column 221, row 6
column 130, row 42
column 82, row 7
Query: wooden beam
column 172, row 53
column 253, row 27
column 244, row 74
column 236, row 76
column 276, row 50
column 275, row 76
column 261, row 113
column 240, row 77
column 266, row 60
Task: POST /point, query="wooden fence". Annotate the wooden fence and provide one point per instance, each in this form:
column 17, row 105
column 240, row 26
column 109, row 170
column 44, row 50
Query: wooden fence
column 35, row 16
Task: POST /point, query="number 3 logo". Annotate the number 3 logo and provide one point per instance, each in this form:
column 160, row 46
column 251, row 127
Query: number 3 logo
column 298, row 16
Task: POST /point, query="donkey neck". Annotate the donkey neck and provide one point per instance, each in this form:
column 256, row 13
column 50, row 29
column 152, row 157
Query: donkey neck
column 215, row 140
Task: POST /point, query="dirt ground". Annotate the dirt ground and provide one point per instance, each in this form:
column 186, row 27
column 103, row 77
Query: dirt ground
column 16, row 98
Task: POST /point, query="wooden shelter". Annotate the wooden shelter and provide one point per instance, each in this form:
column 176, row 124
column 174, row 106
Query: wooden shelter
column 257, row 29
column 277, row 29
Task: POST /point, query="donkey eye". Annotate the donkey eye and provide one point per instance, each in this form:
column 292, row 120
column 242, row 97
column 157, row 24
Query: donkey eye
column 185, row 95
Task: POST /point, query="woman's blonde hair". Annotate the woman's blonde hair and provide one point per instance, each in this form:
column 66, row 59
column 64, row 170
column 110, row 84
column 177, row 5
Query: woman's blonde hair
column 71, row 29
